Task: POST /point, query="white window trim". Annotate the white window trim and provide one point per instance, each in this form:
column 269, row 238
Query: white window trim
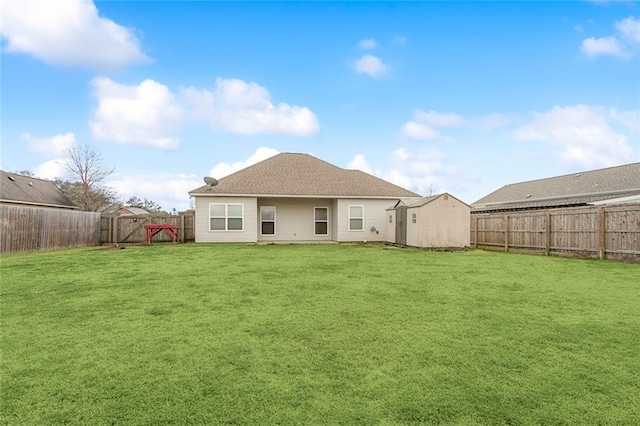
column 226, row 217
column 350, row 217
column 316, row 221
column 274, row 221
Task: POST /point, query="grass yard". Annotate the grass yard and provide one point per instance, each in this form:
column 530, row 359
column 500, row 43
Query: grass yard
column 310, row 334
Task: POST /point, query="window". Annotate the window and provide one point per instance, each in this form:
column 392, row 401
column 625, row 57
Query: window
column 226, row 217
column 356, row 218
column 321, row 221
column 414, row 218
column 390, row 218
column 267, row 220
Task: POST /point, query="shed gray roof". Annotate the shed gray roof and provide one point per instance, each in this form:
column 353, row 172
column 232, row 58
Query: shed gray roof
column 426, row 200
column 291, row 174
column 568, row 190
column 28, row 190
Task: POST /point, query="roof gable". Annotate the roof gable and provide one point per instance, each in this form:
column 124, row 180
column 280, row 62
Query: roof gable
column 28, row 190
column 426, row 200
column 571, row 189
column 291, row 174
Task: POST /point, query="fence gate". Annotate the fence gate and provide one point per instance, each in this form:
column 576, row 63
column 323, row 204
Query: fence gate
column 130, row 229
column 401, row 225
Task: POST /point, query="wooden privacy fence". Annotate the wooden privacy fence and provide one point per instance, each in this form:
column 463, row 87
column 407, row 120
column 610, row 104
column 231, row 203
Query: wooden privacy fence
column 30, row 228
column 611, row 232
column 130, row 229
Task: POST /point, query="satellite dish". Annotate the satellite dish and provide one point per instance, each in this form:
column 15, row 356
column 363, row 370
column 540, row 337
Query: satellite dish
column 210, row 181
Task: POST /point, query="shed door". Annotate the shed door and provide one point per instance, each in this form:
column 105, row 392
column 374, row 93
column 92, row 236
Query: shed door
column 401, row 225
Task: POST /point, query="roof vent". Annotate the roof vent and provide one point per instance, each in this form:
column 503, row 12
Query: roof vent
column 30, row 183
column 11, row 178
column 579, row 174
column 527, row 196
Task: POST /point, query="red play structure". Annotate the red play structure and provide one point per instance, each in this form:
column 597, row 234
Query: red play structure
column 152, row 230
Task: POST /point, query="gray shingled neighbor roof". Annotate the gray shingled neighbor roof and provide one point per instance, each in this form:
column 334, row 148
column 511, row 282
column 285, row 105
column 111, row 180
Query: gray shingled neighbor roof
column 28, row 190
column 562, row 191
column 132, row 210
column 290, row 174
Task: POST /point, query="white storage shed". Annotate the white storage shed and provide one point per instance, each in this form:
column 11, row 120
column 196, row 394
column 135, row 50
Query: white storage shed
column 439, row 221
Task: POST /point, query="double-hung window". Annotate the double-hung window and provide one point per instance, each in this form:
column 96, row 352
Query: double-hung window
column 356, row 218
column 321, row 221
column 267, row 220
column 226, row 217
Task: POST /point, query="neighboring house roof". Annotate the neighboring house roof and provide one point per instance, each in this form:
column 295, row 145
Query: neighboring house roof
column 128, row 211
column 18, row 189
column 290, row 174
column 562, row 191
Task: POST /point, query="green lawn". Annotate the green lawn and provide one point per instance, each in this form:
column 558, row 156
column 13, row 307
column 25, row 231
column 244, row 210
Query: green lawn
column 331, row 334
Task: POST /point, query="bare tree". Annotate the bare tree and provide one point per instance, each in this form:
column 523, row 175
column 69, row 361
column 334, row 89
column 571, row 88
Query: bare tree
column 86, row 165
column 88, row 171
column 433, row 190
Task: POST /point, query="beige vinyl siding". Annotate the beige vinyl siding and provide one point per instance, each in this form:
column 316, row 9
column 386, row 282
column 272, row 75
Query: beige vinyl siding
column 440, row 223
column 334, row 220
column 391, row 227
column 250, row 221
column 375, row 215
column 295, row 219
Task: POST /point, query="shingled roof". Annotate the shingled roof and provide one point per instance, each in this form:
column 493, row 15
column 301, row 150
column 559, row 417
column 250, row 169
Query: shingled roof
column 18, row 189
column 563, row 191
column 291, row 174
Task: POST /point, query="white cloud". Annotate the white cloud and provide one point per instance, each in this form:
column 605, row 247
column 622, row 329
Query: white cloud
column 419, row 131
column 68, row 32
column 372, row 66
column 491, row 121
column 51, row 169
column 421, row 172
column 168, row 190
column 629, row 29
column 143, row 115
column 221, row 170
column 630, row 119
column 436, row 119
column 625, row 44
column 54, row 145
column 584, row 134
column 148, row 114
column 602, row 46
column 422, row 127
column 360, row 163
column 367, row 44
column 246, row 108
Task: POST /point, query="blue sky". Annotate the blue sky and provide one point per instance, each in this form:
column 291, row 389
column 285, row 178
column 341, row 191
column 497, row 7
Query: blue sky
column 463, row 97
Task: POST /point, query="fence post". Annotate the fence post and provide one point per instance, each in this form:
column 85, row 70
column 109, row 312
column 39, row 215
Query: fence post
column 115, row 230
column 506, row 232
column 601, row 233
column 182, row 228
column 475, row 233
column 548, row 236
